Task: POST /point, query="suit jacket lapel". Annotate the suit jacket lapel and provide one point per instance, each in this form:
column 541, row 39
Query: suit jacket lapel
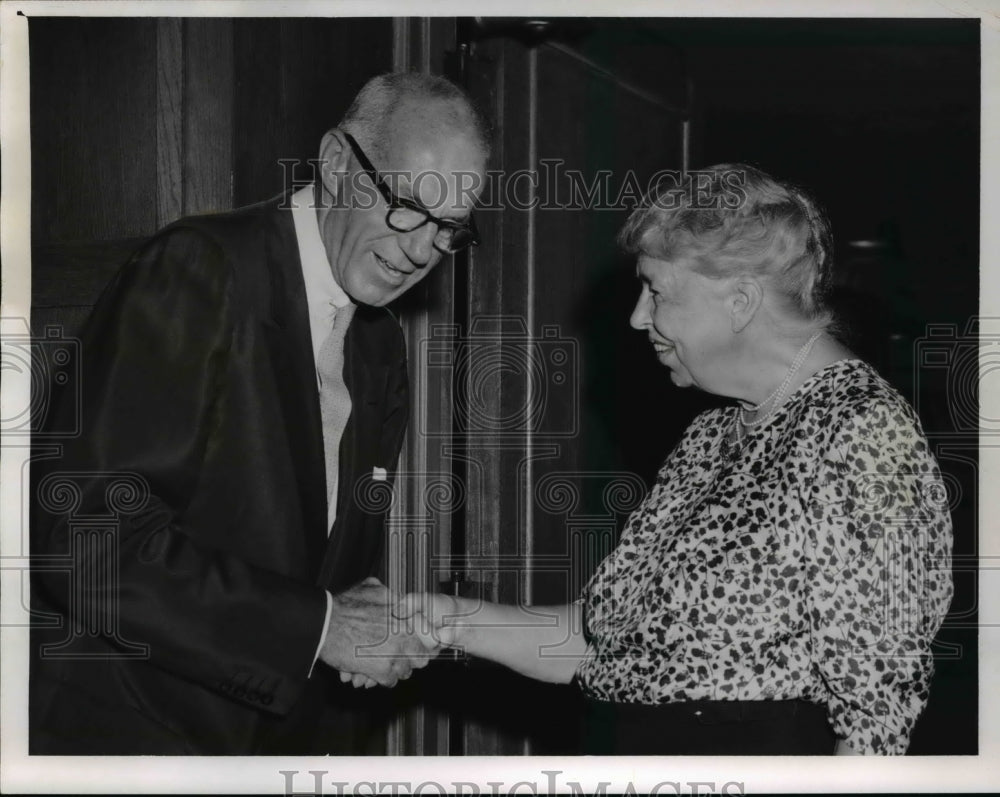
column 295, row 371
column 348, row 554
column 345, row 554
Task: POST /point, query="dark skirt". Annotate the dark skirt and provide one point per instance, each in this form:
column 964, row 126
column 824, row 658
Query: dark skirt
column 707, row 727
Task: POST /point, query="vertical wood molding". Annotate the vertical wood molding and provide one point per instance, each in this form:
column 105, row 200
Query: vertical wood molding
column 432, row 728
column 525, row 520
column 400, row 738
column 685, row 145
column 208, row 115
column 526, row 547
column 400, row 44
column 420, row 731
column 424, row 64
column 501, row 78
column 169, row 119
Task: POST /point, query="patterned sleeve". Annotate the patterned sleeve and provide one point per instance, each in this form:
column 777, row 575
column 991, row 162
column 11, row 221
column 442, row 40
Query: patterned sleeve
column 879, row 575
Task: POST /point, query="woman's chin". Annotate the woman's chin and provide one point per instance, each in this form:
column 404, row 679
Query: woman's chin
column 680, row 378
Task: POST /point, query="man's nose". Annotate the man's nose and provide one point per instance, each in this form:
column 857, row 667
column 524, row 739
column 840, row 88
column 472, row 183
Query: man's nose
column 640, row 315
column 418, row 244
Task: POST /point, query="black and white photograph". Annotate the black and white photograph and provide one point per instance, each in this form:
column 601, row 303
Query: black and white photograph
column 545, row 400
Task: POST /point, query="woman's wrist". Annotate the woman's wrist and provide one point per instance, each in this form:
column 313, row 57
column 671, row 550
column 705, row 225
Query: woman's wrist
column 455, row 619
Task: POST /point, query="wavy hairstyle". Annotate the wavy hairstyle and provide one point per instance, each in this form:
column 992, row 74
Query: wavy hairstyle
column 733, row 219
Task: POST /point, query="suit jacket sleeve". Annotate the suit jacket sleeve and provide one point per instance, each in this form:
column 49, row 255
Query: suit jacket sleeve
column 154, row 365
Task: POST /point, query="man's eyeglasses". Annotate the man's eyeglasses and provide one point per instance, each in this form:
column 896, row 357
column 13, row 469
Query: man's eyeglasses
column 406, row 215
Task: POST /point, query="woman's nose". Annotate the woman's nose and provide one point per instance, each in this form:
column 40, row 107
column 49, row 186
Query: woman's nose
column 640, row 315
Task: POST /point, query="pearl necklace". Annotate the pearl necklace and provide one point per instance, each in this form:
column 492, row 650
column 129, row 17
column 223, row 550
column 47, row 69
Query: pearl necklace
column 775, row 398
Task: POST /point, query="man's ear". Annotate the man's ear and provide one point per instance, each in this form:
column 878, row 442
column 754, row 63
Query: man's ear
column 334, row 157
column 745, row 300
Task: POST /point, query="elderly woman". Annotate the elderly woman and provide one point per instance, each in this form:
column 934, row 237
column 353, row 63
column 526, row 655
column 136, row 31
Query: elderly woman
column 779, row 589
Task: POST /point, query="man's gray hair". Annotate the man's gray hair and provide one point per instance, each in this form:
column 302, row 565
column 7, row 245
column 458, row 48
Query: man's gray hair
column 431, row 100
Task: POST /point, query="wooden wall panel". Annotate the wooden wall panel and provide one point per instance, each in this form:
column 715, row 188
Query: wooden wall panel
column 496, row 325
column 208, row 115
column 552, row 272
column 137, row 121
column 430, row 468
column 93, row 128
column 169, row 120
column 585, row 289
column 294, row 78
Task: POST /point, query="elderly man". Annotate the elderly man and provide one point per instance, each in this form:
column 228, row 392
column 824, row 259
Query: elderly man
column 241, row 382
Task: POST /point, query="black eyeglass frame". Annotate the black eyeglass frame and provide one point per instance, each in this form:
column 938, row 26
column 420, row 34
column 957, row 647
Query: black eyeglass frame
column 399, row 203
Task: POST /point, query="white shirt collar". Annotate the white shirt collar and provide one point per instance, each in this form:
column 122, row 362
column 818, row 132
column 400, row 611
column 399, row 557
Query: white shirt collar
column 323, row 294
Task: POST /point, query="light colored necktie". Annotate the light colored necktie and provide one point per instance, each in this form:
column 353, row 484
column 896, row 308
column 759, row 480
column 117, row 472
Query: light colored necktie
column 334, row 400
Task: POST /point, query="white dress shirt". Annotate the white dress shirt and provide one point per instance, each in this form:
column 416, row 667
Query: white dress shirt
column 323, row 297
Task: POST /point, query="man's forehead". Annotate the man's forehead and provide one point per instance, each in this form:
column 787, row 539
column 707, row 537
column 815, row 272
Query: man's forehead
column 422, row 149
column 435, row 170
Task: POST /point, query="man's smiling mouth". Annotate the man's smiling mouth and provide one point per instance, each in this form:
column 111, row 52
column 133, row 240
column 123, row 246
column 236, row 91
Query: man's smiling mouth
column 394, row 272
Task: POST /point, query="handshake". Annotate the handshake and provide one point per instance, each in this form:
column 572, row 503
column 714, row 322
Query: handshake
column 375, row 638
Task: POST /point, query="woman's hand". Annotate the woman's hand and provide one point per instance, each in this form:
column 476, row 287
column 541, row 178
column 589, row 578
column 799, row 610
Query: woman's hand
column 541, row 642
column 432, row 614
column 439, row 613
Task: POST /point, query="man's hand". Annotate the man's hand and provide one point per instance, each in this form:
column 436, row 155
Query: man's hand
column 367, row 644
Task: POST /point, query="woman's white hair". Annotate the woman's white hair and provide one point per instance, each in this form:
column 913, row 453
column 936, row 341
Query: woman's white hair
column 732, row 218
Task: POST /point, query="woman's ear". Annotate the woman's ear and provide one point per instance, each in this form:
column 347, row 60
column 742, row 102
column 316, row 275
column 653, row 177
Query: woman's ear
column 745, row 300
column 334, row 157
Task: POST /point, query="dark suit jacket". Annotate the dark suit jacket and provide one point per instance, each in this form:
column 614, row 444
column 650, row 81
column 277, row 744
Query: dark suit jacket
column 186, row 525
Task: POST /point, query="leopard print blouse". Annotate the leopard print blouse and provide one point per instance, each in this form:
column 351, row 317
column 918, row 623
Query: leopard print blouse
column 814, row 563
